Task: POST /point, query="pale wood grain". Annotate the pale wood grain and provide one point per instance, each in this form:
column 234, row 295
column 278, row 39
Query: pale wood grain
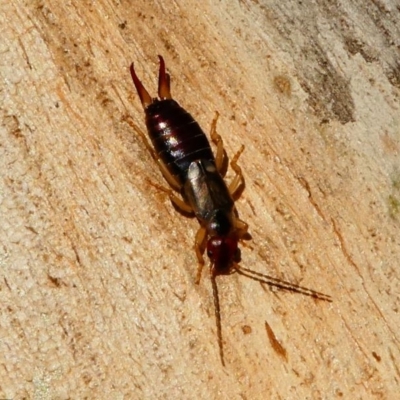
column 97, row 292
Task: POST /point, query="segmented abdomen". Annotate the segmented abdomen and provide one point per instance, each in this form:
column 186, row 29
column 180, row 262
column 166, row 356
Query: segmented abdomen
column 176, row 137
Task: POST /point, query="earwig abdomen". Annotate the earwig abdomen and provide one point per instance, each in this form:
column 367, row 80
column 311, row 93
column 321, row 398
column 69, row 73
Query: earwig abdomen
column 177, row 138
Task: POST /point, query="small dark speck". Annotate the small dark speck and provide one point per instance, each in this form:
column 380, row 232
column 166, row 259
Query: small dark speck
column 122, row 25
column 376, row 356
column 7, row 284
column 55, row 281
column 57, row 105
column 283, row 85
column 29, row 228
column 246, row 329
column 276, row 345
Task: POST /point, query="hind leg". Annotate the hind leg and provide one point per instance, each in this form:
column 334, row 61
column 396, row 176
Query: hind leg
column 180, row 204
column 164, row 170
column 237, row 183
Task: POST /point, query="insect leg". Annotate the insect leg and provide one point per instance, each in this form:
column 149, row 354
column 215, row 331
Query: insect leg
column 200, row 246
column 168, row 176
column 178, row 202
column 217, row 140
column 164, row 170
column 238, row 181
column 241, row 228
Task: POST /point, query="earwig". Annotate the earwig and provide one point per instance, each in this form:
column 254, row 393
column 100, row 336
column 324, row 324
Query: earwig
column 186, row 160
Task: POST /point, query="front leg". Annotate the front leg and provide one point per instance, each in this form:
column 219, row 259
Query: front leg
column 241, row 229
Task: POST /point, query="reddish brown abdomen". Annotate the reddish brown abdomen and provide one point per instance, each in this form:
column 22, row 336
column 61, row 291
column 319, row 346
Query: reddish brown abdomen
column 176, row 137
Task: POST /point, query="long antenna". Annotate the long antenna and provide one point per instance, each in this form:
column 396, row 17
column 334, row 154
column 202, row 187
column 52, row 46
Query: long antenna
column 217, row 316
column 291, row 287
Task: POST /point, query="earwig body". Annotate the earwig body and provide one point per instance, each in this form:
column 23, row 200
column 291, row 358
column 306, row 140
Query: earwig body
column 184, row 154
column 187, row 162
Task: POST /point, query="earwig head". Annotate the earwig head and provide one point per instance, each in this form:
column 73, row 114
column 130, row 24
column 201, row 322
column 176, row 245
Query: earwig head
column 223, row 252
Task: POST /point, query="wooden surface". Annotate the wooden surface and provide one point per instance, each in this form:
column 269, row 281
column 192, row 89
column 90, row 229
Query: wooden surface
column 97, row 293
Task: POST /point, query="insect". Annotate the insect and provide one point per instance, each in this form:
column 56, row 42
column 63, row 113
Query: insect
column 184, row 156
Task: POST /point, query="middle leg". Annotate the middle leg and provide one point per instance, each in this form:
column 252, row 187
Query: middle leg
column 237, row 183
column 217, row 140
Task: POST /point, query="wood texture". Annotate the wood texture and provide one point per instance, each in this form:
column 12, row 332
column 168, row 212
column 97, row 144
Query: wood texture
column 97, row 293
